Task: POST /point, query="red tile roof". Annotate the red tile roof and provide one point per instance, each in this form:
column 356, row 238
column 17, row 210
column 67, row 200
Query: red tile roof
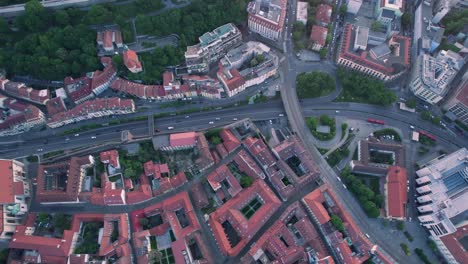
column 182, row 139
column 49, row 191
column 455, row 245
column 323, row 14
column 244, row 227
column 314, row 201
column 229, row 140
column 231, row 78
column 94, row 106
column 78, row 88
column 131, row 61
column 222, row 173
column 396, row 192
column 6, row 182
column 168, row 78
column 55, row 105
column 246, row 164
column 221, row 150
column 205, row 159
column 260, row 150
column 107, row 42
column 318, row 35
column 110, row 156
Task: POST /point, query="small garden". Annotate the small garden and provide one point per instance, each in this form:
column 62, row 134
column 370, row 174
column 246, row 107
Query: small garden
column 369, row 197
column 52, row 224
column 150, row 222
column 376, row 156
column 244, row 180
column 336, row 156
column 249, row 210
column 89, row 238
column 213, row 136
column 324, row 120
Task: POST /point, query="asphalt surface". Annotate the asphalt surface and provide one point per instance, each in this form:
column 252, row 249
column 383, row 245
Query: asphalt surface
column 14, row 148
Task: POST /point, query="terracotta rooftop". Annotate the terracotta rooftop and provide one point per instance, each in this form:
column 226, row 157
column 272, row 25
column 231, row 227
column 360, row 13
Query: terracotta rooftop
column 229, row 140
column 111, row 157
column 323, row 14
column 60, row 182
column 318, row 35
column 131, row 61
column 183, row 139
column 222, row 178
column 260, row 150
column 230, row 214
column 396, row 192
column 55, row 105
column 7, row 194
column 456, row 243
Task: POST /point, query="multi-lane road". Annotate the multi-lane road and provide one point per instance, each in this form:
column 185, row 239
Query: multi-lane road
column 13, row 148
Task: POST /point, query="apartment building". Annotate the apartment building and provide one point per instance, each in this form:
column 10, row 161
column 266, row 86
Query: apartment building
column 266, row 17
column 92, row 109
column 301, row 12
column 17, row 117
column 213, row 45
column 353, row 6
column 431, row 77
column 354, row 54
column 318, row 37
column 389, row 8
column 20, row 90
column 14, row 195
column 442, row 189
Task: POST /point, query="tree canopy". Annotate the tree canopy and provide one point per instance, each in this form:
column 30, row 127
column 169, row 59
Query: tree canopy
column 455, row 20
column 314, row 84
column 361, row 88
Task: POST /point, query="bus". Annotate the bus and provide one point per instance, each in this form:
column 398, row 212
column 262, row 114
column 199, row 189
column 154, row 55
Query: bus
column 431, row 137
column 375, row 121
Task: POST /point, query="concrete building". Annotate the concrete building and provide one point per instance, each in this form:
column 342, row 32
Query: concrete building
column 442, row 190
column 387, row 8
column 323, row 15
column 353, row 6
column 458, row 103
column 213, row 45
column 431, row 77
column 396, row 193
column 353, row 54
column 266, row 17
column 442, row 187
column 14, row 196
column 443, row 7
column 301, row 12
column 247, row 65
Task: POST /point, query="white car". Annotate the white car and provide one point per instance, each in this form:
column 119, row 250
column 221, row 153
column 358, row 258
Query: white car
column 187, row 116
column 170, row 128
column 217, row 118
column 344, row 186
column 271, row 122
column 337, row 111
column 76, row 135
column 211, row 122
column 281, row 115
column 234, row 119
column 39, row 150
column 93, row 137
column 412, row 127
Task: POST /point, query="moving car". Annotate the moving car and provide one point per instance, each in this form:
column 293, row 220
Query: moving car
column 170, row 128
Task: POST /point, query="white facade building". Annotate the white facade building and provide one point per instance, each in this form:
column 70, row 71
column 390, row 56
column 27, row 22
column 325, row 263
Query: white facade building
column 266, row 17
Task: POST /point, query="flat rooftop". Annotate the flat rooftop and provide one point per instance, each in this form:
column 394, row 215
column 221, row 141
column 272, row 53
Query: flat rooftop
column 269, row 9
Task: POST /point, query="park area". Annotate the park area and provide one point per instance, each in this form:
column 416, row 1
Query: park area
column 318, row 125
column 314, row 84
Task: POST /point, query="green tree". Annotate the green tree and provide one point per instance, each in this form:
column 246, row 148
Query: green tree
column 4, row 28
column 376, row 26
column 245, row 181
column 411, row 103
column 400, row 225
column 328, row 39
column 323, row 53
column 343, row 9
column 337, row 222
column 129, row 173
column 62, row 18
column 62, row 221
column 426, row 115
column 143, row 222
column 98, row 14
column 43, row 217
column 436, row 120
column 406, row 19
column 371, row 209
column 215, row 140
column 314, row 84
column 4, row 255
column 34, row 18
